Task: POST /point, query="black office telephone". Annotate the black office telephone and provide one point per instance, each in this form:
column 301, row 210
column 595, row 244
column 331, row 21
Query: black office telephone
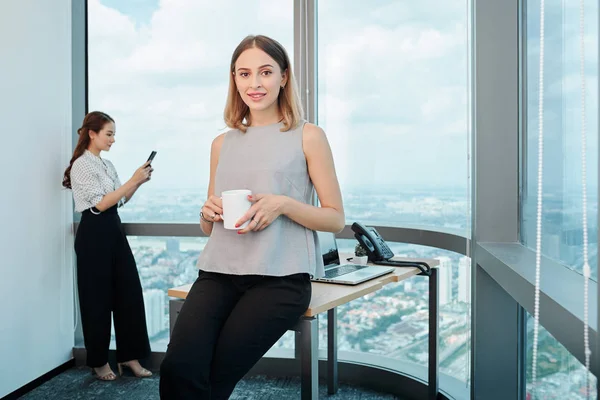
column 379, row 252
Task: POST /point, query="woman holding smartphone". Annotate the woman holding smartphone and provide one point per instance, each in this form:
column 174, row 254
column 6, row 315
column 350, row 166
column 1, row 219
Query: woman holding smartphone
column 107, row 277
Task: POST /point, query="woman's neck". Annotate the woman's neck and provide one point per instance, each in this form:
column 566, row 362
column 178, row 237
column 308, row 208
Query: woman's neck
column 266, row 117
column 95, row 152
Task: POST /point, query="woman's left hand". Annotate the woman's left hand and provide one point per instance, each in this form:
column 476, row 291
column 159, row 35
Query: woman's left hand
column 265, row 210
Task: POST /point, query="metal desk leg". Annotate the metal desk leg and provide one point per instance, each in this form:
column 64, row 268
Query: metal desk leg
column 433, row 334
column 174, row 308
column 332, row 361
column 298, row 339
column 308, row 338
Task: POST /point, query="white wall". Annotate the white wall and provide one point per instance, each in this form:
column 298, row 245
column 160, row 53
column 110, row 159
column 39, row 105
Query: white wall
column 36, row 256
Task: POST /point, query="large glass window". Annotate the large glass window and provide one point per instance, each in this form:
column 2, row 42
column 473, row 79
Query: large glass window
column 161, row 69
column 393, row 321
column 562, row 226
column 559, row 374
column 162, row 263
column 393, row 100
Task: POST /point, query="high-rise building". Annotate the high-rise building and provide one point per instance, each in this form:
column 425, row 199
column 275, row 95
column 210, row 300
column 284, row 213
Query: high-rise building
column 445, row 280
column 464, row 280
column 173, row 246
column 154, row 303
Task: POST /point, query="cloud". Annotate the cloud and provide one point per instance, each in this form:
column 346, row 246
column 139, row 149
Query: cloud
column 392, row 77
column 397, row 85
column 165, row 81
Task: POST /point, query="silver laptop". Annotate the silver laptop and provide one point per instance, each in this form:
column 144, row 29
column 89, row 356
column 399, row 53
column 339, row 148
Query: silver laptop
column 346, row 274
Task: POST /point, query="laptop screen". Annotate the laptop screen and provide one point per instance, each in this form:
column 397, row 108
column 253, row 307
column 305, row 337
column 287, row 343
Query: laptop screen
column 329, row 249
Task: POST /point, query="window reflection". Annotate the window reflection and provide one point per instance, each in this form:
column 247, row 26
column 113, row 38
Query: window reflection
column 562, row 226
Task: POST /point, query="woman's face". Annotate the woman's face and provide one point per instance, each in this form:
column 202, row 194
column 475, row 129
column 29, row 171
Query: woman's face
column 258, row 79
column 104, row 139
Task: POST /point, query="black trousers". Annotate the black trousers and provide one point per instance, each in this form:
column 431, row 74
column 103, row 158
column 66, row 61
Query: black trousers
column 227, row 323
column 108, row 281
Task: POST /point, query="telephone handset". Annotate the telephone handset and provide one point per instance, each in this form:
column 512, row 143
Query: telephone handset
column 370, row 239
column 379, row 252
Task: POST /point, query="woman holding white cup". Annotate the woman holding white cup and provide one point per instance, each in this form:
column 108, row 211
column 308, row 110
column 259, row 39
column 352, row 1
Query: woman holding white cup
column 254, row 281
column 237, row 203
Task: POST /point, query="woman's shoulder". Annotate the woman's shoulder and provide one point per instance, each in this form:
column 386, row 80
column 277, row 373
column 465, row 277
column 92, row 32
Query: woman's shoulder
column 83, row 167
column 108, row 162
column 314, row 140
column 218, row 141
column 312, row 132
column 81, row 162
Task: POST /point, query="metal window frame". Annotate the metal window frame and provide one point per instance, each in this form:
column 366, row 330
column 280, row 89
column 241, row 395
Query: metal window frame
column 502, row 268
column 597, row 346
column 305, row 55
column 495, row 122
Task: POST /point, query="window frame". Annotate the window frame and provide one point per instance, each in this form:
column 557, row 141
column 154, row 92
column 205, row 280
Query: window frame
column 502, row 265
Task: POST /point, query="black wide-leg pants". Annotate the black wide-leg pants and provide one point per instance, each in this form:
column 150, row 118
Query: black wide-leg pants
column 226, row 324
column 108, row 282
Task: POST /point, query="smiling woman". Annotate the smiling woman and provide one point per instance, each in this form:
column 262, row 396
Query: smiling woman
column 392, row 93
column 164, row 76
column 261, row 272
column 260, row 73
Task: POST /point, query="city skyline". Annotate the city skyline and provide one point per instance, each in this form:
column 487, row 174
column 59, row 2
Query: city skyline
column 398, row 125
column 390, row 323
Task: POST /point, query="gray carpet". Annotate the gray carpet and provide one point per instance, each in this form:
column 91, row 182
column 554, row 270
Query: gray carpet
column 79, row 384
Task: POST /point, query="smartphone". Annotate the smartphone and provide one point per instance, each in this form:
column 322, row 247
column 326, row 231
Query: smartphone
column 151, row 156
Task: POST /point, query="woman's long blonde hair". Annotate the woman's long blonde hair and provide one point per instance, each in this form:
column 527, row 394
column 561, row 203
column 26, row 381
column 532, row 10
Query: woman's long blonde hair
column 237, row 114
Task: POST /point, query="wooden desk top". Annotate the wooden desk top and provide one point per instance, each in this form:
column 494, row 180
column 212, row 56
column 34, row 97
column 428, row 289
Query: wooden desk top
column 326, row 296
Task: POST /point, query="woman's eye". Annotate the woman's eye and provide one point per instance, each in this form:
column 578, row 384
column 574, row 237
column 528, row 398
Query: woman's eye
column 244, row 74
column 267, row 72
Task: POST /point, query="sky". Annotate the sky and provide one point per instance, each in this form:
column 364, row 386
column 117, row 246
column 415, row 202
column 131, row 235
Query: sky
column 392, row 90
column 562, row 99
column 392, row 85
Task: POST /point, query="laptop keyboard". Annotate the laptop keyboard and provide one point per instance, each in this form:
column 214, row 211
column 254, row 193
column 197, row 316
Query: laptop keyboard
column 343, row 270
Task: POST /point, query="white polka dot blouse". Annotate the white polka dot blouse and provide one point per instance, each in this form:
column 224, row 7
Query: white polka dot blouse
column 92, row 177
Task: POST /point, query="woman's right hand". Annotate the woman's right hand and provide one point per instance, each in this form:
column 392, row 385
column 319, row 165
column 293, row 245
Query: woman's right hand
column 142, row 174
column 212, row 209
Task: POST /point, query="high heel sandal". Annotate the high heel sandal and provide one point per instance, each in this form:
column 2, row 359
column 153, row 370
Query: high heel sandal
column 144, row 373
column 110, row 376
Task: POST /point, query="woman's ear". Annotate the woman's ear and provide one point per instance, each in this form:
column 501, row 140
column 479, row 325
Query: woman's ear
column 284, row 78
column 92, row 134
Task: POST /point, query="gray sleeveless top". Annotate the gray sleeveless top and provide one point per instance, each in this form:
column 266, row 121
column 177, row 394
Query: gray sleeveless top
column 264, row 160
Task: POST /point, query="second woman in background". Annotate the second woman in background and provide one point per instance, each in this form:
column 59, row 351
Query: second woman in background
column 107, row 277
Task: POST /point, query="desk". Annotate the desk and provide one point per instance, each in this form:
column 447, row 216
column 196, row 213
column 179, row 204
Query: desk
column 326, row 297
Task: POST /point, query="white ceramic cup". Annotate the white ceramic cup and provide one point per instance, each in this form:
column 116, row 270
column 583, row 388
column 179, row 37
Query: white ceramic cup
column 235, row 205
